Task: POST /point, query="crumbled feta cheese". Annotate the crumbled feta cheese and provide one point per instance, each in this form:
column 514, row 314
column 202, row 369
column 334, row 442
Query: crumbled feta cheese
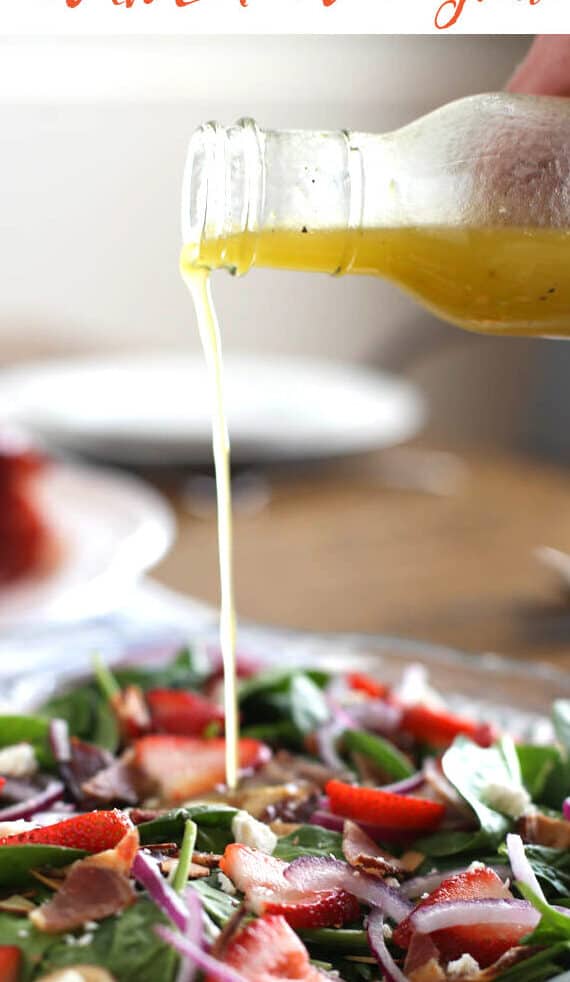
column 463, row 967
column 509, row 799
column 249, row 832
column 387, row 932
column 18, row 761
column 226, row 884
column 85, row 939
column 14, row 828
column 23, row 933
column 476, row 865
column 414, row 688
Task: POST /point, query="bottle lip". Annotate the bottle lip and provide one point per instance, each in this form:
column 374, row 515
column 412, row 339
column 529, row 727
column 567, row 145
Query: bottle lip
column 207, row 189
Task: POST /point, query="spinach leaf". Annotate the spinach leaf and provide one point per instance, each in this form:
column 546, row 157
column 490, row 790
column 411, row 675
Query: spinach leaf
column 219, row 905
column 309, row 840
column 27, row 729
column 553, row 927
column 214, row 827
column 537, row 765
column 88, row 715
column 294, row 698
column 16, row 862
column 467, row 845
column 185, row 671
column 382, row 753
column 539, row 967
column 345, row 940
column 126, row 946
column 33, row 944
column 266, row 683
column 552, row 867
column 471, row 769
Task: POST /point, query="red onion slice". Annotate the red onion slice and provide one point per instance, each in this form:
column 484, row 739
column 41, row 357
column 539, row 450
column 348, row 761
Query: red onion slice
column 566, row 809
column 147, row 872
column 326, row 737
column 211, row 966
column 313, row 874
column 194, row 933
column 375, row 714
column 59, row 741
column 520, row 866
column 430, row 882
column 408, row 784
column 37, row 802
column 375, row 929
column 465, row 913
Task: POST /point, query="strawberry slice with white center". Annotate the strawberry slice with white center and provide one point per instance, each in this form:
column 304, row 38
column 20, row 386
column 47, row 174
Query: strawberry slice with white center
column 267, row 891
column 178, row 768
column 268, row 950
column 486, row 942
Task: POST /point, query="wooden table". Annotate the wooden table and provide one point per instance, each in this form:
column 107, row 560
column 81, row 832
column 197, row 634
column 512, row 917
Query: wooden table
column 337, row 549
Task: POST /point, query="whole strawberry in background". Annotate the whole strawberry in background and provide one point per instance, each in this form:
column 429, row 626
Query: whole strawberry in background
column 27, row 544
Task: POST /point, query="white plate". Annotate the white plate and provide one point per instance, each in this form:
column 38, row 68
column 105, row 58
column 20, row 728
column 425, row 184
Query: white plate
column 111, row 529
column 155, row 408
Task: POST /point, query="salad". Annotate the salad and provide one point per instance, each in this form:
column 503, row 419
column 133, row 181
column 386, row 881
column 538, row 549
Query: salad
column 374, row 834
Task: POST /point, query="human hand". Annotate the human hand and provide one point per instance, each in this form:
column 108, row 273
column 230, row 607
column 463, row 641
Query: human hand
column 546, row 68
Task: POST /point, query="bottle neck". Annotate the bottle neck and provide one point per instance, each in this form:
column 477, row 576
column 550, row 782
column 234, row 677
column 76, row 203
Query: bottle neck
column 249, row 194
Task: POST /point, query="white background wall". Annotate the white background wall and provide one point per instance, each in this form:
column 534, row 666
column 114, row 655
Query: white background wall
column 92, row 143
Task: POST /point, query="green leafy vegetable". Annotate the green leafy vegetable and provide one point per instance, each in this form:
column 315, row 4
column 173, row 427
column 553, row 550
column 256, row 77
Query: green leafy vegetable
column 16, row 862
column 309, row 840
column 553, row 927
column 537, row 765
column 88, row 715
column 384, row 754
column 126, row 946
column 214, row 827
column 218, row 905
column 27, row 729
column 471, row 769
column 292, row 703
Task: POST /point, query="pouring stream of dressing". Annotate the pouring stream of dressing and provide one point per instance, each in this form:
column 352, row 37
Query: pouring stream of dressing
column 198, row 282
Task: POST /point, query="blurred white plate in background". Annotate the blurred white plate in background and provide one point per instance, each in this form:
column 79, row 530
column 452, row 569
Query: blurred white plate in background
column 155, row 408
column 111, row 529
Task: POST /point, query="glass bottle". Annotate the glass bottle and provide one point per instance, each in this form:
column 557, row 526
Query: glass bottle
column 467, row 208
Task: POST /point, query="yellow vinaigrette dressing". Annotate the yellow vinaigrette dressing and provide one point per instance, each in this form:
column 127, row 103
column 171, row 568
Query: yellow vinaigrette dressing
column 496, row 280
column 198, row 282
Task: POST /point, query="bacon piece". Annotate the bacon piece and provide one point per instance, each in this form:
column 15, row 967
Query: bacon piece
column 362, row 852
column 95, row 887
column 89, row 893
column 545, row 831
column 116, row 784
column 422, row 960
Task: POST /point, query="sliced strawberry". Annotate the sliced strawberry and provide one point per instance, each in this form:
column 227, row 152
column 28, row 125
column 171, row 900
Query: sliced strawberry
column 183, row 713
column 92, row 832
column 360, row 682
column 439, row 728
column 378, row 807
column 486, row 943
column 10, row 963
column 132, row 713
column 179, row 767
column 261, row 878
column 267, row 950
